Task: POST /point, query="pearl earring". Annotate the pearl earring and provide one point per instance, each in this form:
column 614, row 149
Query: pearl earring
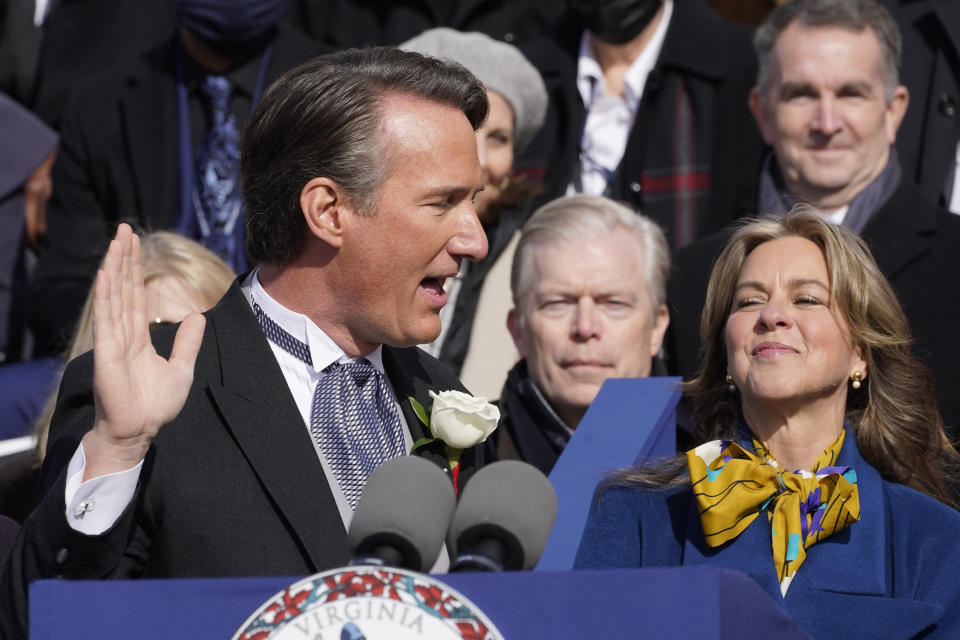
column 730, row 386
column 857, row 377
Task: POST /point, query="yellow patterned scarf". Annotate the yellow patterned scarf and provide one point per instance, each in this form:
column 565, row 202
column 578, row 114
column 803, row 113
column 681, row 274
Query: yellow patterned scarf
column 733, row 485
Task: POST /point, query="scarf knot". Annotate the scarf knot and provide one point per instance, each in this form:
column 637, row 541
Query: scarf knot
column 732, row 486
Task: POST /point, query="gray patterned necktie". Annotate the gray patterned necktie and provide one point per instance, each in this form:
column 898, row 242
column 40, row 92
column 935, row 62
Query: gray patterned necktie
column 353, row 418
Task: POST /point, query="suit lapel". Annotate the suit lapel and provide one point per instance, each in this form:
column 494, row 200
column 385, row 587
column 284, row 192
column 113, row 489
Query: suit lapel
column 707, row 54
column 148, row 106
column 259, row 411
column 409, row 380
column 948, row 11
column 903, row 229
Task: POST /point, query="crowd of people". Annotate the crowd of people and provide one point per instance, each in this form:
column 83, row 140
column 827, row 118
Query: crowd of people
column 523, row 199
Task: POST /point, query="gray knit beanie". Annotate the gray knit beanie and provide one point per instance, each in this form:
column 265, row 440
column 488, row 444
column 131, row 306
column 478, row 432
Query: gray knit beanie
column 499, row 66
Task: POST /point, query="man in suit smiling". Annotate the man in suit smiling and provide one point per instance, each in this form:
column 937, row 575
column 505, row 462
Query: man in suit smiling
column 359, row 172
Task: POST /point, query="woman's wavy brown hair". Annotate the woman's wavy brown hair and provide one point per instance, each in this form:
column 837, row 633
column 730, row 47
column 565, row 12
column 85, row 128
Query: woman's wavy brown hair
column 894, row 414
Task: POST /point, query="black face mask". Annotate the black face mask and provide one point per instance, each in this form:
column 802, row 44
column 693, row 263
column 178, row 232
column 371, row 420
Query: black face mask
column 229, row 25
column 615, row 21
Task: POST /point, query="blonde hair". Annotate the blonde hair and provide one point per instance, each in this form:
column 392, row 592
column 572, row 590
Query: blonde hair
column 162, row 253
column 898, row 427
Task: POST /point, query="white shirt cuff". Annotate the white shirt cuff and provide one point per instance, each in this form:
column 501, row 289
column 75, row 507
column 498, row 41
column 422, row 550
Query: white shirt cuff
column 94, row 506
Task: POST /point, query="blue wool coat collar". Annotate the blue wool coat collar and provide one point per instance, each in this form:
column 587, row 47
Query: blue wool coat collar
column 855, row 562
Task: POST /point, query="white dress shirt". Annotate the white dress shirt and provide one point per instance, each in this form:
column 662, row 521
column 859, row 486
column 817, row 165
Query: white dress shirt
column 610, row 117
column 837, row 217
column 954, row 196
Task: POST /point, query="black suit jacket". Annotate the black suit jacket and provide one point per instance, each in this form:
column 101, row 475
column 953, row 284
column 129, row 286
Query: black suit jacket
column 713, row 61
column 917, row 246
column 353, row 23
column 928, row 136
column 118, row 161
column 233, row 486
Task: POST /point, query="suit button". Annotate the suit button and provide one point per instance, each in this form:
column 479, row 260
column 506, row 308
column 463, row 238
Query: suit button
column 636, row 187
column 947, row 105
column 509, row 37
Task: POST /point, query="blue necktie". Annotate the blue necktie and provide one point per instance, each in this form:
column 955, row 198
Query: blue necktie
column 353, row 419
column 218, row 203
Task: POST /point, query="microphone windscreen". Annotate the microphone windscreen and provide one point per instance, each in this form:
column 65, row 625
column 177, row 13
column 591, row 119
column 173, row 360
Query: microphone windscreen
column 406, row 505
column 510, row 501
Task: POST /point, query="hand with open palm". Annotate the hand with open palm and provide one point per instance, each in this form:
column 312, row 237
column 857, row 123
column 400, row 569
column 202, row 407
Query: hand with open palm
column 136, row 391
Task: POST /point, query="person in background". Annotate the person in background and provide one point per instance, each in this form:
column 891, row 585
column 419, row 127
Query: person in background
column 361, row 23
column 156, row 142
column 518, row 102
column 23, row 27
column 26, row 154
column 822, row 469
column 180, row 277
column 929, row 140
column 648, row 105
column 27, row 149
column 829, row 102
column 589, row 291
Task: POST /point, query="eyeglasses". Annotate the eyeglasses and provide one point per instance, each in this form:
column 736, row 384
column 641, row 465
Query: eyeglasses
column 158, row 322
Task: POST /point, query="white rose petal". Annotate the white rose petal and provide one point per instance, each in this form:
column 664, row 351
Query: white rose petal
column 462, row 420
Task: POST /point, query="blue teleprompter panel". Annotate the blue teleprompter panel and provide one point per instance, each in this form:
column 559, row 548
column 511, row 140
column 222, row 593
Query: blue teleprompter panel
column 630, row 421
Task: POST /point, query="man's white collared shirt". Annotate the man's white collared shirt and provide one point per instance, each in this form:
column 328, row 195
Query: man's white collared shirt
column 93, row 506
column 610, row 117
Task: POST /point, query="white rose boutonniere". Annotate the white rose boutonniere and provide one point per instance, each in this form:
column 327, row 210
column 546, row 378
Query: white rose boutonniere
column 461, row 420
column 457, row 419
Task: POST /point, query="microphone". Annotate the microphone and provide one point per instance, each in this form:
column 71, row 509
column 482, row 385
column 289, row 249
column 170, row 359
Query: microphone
column 503, row 519
column 402, row 515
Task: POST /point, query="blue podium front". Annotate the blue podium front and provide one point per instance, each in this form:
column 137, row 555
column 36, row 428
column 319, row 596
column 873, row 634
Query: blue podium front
column 701, row 603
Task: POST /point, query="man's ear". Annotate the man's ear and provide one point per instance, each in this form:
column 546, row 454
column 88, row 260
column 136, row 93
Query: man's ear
column 513, row 326
column 761, row 114
column 660, row 323
column 896, row 109
column 325, row 206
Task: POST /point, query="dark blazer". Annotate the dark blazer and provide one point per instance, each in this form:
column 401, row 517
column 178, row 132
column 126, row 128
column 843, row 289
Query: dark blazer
column 81, row 38
column 118, row 161
column 353, row 23
column 709, row 60
column 233, row 486
column 916, row 245
column 892, row 574
column 928, row 136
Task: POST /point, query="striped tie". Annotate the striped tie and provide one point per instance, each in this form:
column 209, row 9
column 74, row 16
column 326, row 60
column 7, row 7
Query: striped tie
column 353, row 418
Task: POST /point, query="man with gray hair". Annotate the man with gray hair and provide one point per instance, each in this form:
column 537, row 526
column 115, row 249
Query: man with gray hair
column 828, row 100
column 589, row 293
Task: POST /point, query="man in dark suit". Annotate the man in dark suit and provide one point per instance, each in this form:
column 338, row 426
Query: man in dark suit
column 829, row 102
column 930, row 135
column 648, row 106
column 130, row 141
column 359, row 173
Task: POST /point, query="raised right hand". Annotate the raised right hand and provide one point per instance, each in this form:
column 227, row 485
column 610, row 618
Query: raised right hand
column 136, row 391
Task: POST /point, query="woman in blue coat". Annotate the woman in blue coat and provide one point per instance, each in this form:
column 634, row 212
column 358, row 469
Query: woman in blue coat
column 824, row 467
